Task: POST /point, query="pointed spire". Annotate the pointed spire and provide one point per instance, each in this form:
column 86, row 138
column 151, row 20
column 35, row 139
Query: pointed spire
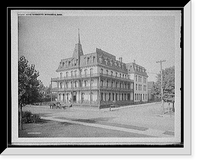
column 78, row 48
column 79, row 37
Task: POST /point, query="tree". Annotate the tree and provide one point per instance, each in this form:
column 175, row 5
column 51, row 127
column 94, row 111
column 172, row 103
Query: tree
column 28, row 84
column 168, row 84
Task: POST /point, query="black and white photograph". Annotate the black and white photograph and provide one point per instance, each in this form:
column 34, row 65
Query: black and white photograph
column 97, row 78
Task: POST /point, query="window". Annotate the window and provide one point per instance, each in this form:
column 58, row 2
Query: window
column 91, row 96
column 85, row 82
column 93, row 59
column 101, row 96
column 111, row 73
column 101, row 82
column 85, row 72
column 116, row 74
column 75, row 83
column 135, row 77
column 88, row 60
column 136, row 87
column 112, row 84
column 106, row 61
column 67, row 96
column 66, row 85
column 144, row 80
column 107, row 72
column 66, row 74
column 92, row 81
column 80, row 72
column 82, row 97
column 71, row 73
column 61, row 75
column 109, row 98
column 75, row 73
column 61, row 85
column 91, row 71
column 101, row 70
column 144, row 87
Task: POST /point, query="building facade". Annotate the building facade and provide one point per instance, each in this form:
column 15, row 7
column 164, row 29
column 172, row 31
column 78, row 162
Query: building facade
column 138, row 74
column 99, row 79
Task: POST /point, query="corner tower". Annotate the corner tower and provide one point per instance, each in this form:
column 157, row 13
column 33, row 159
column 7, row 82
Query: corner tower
column 78, row 51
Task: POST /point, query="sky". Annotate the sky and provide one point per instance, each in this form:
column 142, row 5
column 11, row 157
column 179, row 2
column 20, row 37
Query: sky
column 45, row 40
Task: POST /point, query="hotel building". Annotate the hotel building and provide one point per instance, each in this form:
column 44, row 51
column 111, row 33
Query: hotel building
column 99, row 79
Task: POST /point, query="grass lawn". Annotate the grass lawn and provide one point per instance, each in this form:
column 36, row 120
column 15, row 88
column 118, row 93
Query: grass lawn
column 64, row 129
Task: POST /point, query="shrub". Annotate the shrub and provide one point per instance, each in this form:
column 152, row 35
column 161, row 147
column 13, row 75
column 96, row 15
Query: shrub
column 28, row 117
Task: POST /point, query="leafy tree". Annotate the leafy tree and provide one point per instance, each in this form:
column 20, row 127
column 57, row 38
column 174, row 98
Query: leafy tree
column 168, row 84
column 28, row 84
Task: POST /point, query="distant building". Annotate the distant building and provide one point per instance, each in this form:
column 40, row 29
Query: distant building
column 139, row 76
column 99, row 79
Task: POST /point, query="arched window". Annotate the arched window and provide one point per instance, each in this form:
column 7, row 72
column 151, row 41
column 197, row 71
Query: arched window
column 88, row 60
column 111, row 73
column 93, row 59
column 101, row 70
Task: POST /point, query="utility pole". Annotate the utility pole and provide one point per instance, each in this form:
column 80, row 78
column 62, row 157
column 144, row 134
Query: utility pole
column 51, row 89
column 161, row 61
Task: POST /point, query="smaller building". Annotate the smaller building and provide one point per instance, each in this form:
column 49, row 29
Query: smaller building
column 139, row 75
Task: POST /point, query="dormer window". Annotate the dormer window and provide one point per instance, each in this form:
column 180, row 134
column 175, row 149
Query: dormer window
column 93, row 59
column 106, row 61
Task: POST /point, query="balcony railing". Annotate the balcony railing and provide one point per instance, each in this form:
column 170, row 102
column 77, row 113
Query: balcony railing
column 88, row 76
column 89, row 88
